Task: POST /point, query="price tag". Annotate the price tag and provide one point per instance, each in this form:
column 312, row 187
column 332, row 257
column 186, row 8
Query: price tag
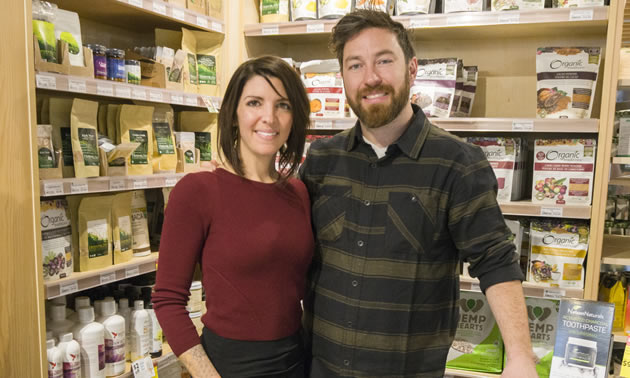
column 143, row 368
column 130, row 272
column 270, row 30
column 156, row 96
column 159, row 7
column 551, row 211
column 416, row 23
column 475, row 287
column 178, row 14
column 136, row 3
column 53, row 188
column 140, row 184
column 216, row 26
column 625, row 361
column 78, row 187
column 323, row 125
column 522, row 125
column 117, row 184
column 104, row 90
column 77, row 86
column 209, row 104
column 510, row 18
column 454, row 21
column 68, row 288
column 554, row 293
column 123, row 92
column 108, row 277
column 139, row 94
column 170, row 182
column 202, row 21
column 581, row 15
column 46, row 82
column 192, row 101
column 314, row 28
column 176, row 99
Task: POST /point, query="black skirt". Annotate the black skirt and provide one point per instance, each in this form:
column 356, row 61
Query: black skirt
column 283, row 358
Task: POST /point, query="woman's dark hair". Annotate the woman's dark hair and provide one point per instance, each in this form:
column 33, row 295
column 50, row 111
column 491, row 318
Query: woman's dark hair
column 266, row 67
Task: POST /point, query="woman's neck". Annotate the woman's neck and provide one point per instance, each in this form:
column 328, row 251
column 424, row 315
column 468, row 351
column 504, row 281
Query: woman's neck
column 260, row 170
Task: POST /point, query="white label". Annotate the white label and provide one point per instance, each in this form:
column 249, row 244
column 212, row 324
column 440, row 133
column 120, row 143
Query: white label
column 159, row 7
column 176, row 99
column 170, row 182
column 139, row 94
column 136, row 3
column 202, row 21
column 522, row 125
column 78, row 187
column 314, row 28
column 117, row 184
column 554, row 293
column 270, row 30
column 107, row 147
column 140, row 184
column 551, row 211
column 108, row 277
column 123, row 92
column 143, row 368
column 323, row 125
column 415, row 23
column 192, row 101
column 179, row 14
column 130, row 272
column 53, row 188
column 475, row 287
column 451, row 21
column 46, row 82
column 68, row 287
column 209, row 104
column 104, row 90
column 156, row 96
column 216, row 26
column 509, row 18
column 581, row 15
column 77, row 86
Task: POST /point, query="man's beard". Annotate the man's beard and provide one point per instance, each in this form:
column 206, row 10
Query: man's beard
column 379, row 115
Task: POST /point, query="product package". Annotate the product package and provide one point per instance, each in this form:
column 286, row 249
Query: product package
column 303, row 10
column 113, row 122
column 567, row 78
column 324, row 86
column 45, row 148
column 214, row 8
column 467, row 96
column 623, row 142
column 136, row 126
column 380, row 5
column 186, row 156
column 507, row 158
column 558, row 250
column 518, row 232
column 274, row 10
column 501, row 5
column 57, row 250
column 576, row 3
column 44, row 29
column 206, row 50
column 617, row 297
column 59, row 117
column 95, row 233
column 84, row 123
column 139, row 224
column 198, row 6
column 478, row 345
column 121, row 227
column 164, row 154
column 102, row 120
column 434, row 87
column 459, row 88
column 115, row 161
column 563, row 171
column 543, row 317
column 411, row 7
column 334, row 8
column 68, row 29
column 203, row 124
column 450, row 6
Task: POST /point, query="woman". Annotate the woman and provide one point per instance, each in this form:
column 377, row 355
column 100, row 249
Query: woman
column 248, row 226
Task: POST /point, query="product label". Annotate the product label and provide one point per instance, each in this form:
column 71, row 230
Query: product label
column 270, row 7
column 92, row 358
column 202, row 142
column 89, row 146
column 124, row 226
column 72, row 366
column 45, row 33
column 139, row 226
column 192, row 69
column 98, row 238
column 56, row 239
column 45, row 158
column 207, row 69
column 162, row 133
column 66, row 146
column 114, row 346
column 139, row 156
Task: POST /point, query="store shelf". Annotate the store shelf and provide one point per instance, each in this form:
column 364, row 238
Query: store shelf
column 468, row 374
column 111, row 89
column 142, row 15
column 59, row 187
column 616, row 250
column 529, row 288
column 621, row 160
column 620, row 337
column 166, row 361
column 623, row 84
column 79, row 281
column 466, row 25
column 527, row 208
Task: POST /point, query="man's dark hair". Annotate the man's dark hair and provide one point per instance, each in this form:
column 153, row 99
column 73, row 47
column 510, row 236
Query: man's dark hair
column 355, row 22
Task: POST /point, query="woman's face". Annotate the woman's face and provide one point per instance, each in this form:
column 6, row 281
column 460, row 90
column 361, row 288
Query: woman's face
column 264, row 118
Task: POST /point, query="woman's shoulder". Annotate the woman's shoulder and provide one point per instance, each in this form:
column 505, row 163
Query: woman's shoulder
column 196, row 181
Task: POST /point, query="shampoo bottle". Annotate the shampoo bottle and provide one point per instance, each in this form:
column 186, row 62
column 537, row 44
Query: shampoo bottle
column 125, row 312
column 114, row 326
column 55, row 360
column 91, row 337
column 71, row 353
column 58, row 323
column 140, row 327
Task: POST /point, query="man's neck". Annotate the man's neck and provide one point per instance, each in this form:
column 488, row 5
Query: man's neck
column 385, row 135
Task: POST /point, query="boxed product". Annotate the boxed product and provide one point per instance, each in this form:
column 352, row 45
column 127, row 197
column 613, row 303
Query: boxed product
column 274, row 11
column 57, row 249
column 411, row 7
column 576, row 3
column 543, row 317
column 334, row 8
column 324, row 86
column 567, row 78
column 563, row 171
column 467, row 96
column 303, row 10
column 434, row 87
column 380, row 5
column 507, row 158
column 450, row 6
column 478, row 345
column 558, row 249
column 501, row 5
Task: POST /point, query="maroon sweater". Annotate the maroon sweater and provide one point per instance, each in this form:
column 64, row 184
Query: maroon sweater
column 254, row 242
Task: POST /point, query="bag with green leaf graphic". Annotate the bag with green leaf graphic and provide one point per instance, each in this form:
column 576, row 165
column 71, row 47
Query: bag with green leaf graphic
column 95, row 233
column 121, row 224
column 68, row 29
column 542, row 315
column 84, row 133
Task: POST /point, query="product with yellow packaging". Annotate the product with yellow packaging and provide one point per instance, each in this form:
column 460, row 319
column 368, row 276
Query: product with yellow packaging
column 274, row 11
column 618, row 298
column 558, row 250
column 121, row 227
column 303, row 10
column 334, row 8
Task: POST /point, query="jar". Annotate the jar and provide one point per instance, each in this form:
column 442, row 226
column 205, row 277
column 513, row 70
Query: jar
column 133, row 71
column 100, row 61
column 116, row 65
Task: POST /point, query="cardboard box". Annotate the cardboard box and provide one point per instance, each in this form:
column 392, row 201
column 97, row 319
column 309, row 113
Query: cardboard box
column 64, row 67
column 153, row 74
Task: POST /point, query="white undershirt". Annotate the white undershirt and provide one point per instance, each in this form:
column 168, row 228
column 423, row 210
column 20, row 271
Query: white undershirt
column 380, row 151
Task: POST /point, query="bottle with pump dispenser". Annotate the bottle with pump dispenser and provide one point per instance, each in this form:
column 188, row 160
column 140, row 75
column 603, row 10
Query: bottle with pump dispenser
column 156, row 330
column 55, row 360
column 114, row 326
column 140, row 331
column 58, row 323
column 125, row 312
column 71, row 353
column 91, row 338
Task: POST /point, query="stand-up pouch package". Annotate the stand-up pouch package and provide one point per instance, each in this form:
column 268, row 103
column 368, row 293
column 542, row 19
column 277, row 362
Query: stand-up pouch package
column 411, row 7
column 576, row 3
column 84, row 123
column 45, row 148
column 113, row 120
column 542, row 315
column 386, row 6
column 434, row 87
column 451, row 6
column 164, row 153
column 334, row 8
column 187, row 160
column 59, row 117
column 136, row 125
column 57, row 248
column 324, row 86
column 202, row 124
column 274, row 11
column 459, row 88
column 95, row 233
column 502, row 5
column 102, row 120
column 467, row 98
column 567, row 78
column 68, row 29
column 140, row 224
column 122, row 230
column 206, row 48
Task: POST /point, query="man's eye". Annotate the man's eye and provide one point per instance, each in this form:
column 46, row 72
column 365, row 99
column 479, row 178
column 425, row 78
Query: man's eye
column 354, row 66
column 385, row 61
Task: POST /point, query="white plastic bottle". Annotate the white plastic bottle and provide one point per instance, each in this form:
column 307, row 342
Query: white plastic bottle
column 140, row 336
column 156, row 334
column 125, row 312
column 97, row 308
column 58, row 323
column 114, row 338
column 91, row 337
column 79, row 302
column 55, row 360
column 71, row 353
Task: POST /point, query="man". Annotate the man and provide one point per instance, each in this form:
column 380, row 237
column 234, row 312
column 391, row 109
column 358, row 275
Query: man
column 397, row 204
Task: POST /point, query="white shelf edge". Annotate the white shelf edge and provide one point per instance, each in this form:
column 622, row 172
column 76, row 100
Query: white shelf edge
column 620, row 337
column 620, row 160
column 527, row 208
column 51, row 187
column 530, row 289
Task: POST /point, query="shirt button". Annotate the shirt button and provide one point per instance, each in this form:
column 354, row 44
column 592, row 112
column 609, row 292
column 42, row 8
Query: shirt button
column 349, row 324
column 414, row 198
column 360, row 243
column 373, row 165
column 355, row 283
column 367, row 203
column 346, row 362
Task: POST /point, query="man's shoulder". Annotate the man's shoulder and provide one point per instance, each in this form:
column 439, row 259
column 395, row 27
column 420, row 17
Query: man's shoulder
column 327, row 144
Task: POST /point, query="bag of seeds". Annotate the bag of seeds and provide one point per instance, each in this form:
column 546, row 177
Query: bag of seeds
column 59, row 117
column 95, row 233
column 122, row 230
column 85, row 138
column 136, row 125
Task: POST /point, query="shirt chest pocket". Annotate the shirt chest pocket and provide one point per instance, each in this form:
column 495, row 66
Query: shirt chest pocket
column 329, row 212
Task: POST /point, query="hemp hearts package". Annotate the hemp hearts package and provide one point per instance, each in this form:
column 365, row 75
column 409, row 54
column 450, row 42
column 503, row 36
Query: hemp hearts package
column 95, row 233
column 136, row 125
column 542, row 315
column 83, row 121
column 205, row 49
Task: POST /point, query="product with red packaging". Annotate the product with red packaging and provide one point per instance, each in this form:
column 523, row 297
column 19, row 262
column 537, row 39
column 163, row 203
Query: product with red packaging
column 324, row 86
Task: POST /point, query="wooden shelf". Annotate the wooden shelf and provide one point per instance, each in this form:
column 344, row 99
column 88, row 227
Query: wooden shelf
column 468, row 374
column 621, row 160
column 142, row 15
column 623, row 83
column 59, row 187
column 111, row 89
column 529, row 288
column 527, row 208
column 616, row 250
column 79, row 281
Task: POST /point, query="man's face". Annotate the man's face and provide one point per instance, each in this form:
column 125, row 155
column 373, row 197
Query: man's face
column 376, row 77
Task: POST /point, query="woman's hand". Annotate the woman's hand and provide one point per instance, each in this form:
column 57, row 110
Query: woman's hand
column 197, row 363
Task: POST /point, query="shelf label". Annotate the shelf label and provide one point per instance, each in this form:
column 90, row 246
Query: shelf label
column 53, row 188
column 522, row 125
column 216, row 26
column 108, row 277
column 143, row 368
column 46, row 82
column 68, row 288
column 551, row 211
column 177, row 99
column 136, row 3
column 509, row 18
column 170, row 182
column 192, row 101
column 270, row 30
column 123, row 92
column 105, row 90
column 554, row 293
column 156, row 96
column 209, row 104
column 133, row 271
column 625, row 360
column 202, row 21
column 159, row 7
column 78, row 187
column 178, row 14
column 77, row 85
column 416, row 23
column 474, row 286
column 323, row 125
column 139, row 94
column 117, row 184
column 455, row 20
column 581, row 15
column 140, row 184
column 314, row 28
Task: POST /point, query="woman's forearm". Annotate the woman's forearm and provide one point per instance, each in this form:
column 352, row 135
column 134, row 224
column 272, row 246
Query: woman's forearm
column 197, row 363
